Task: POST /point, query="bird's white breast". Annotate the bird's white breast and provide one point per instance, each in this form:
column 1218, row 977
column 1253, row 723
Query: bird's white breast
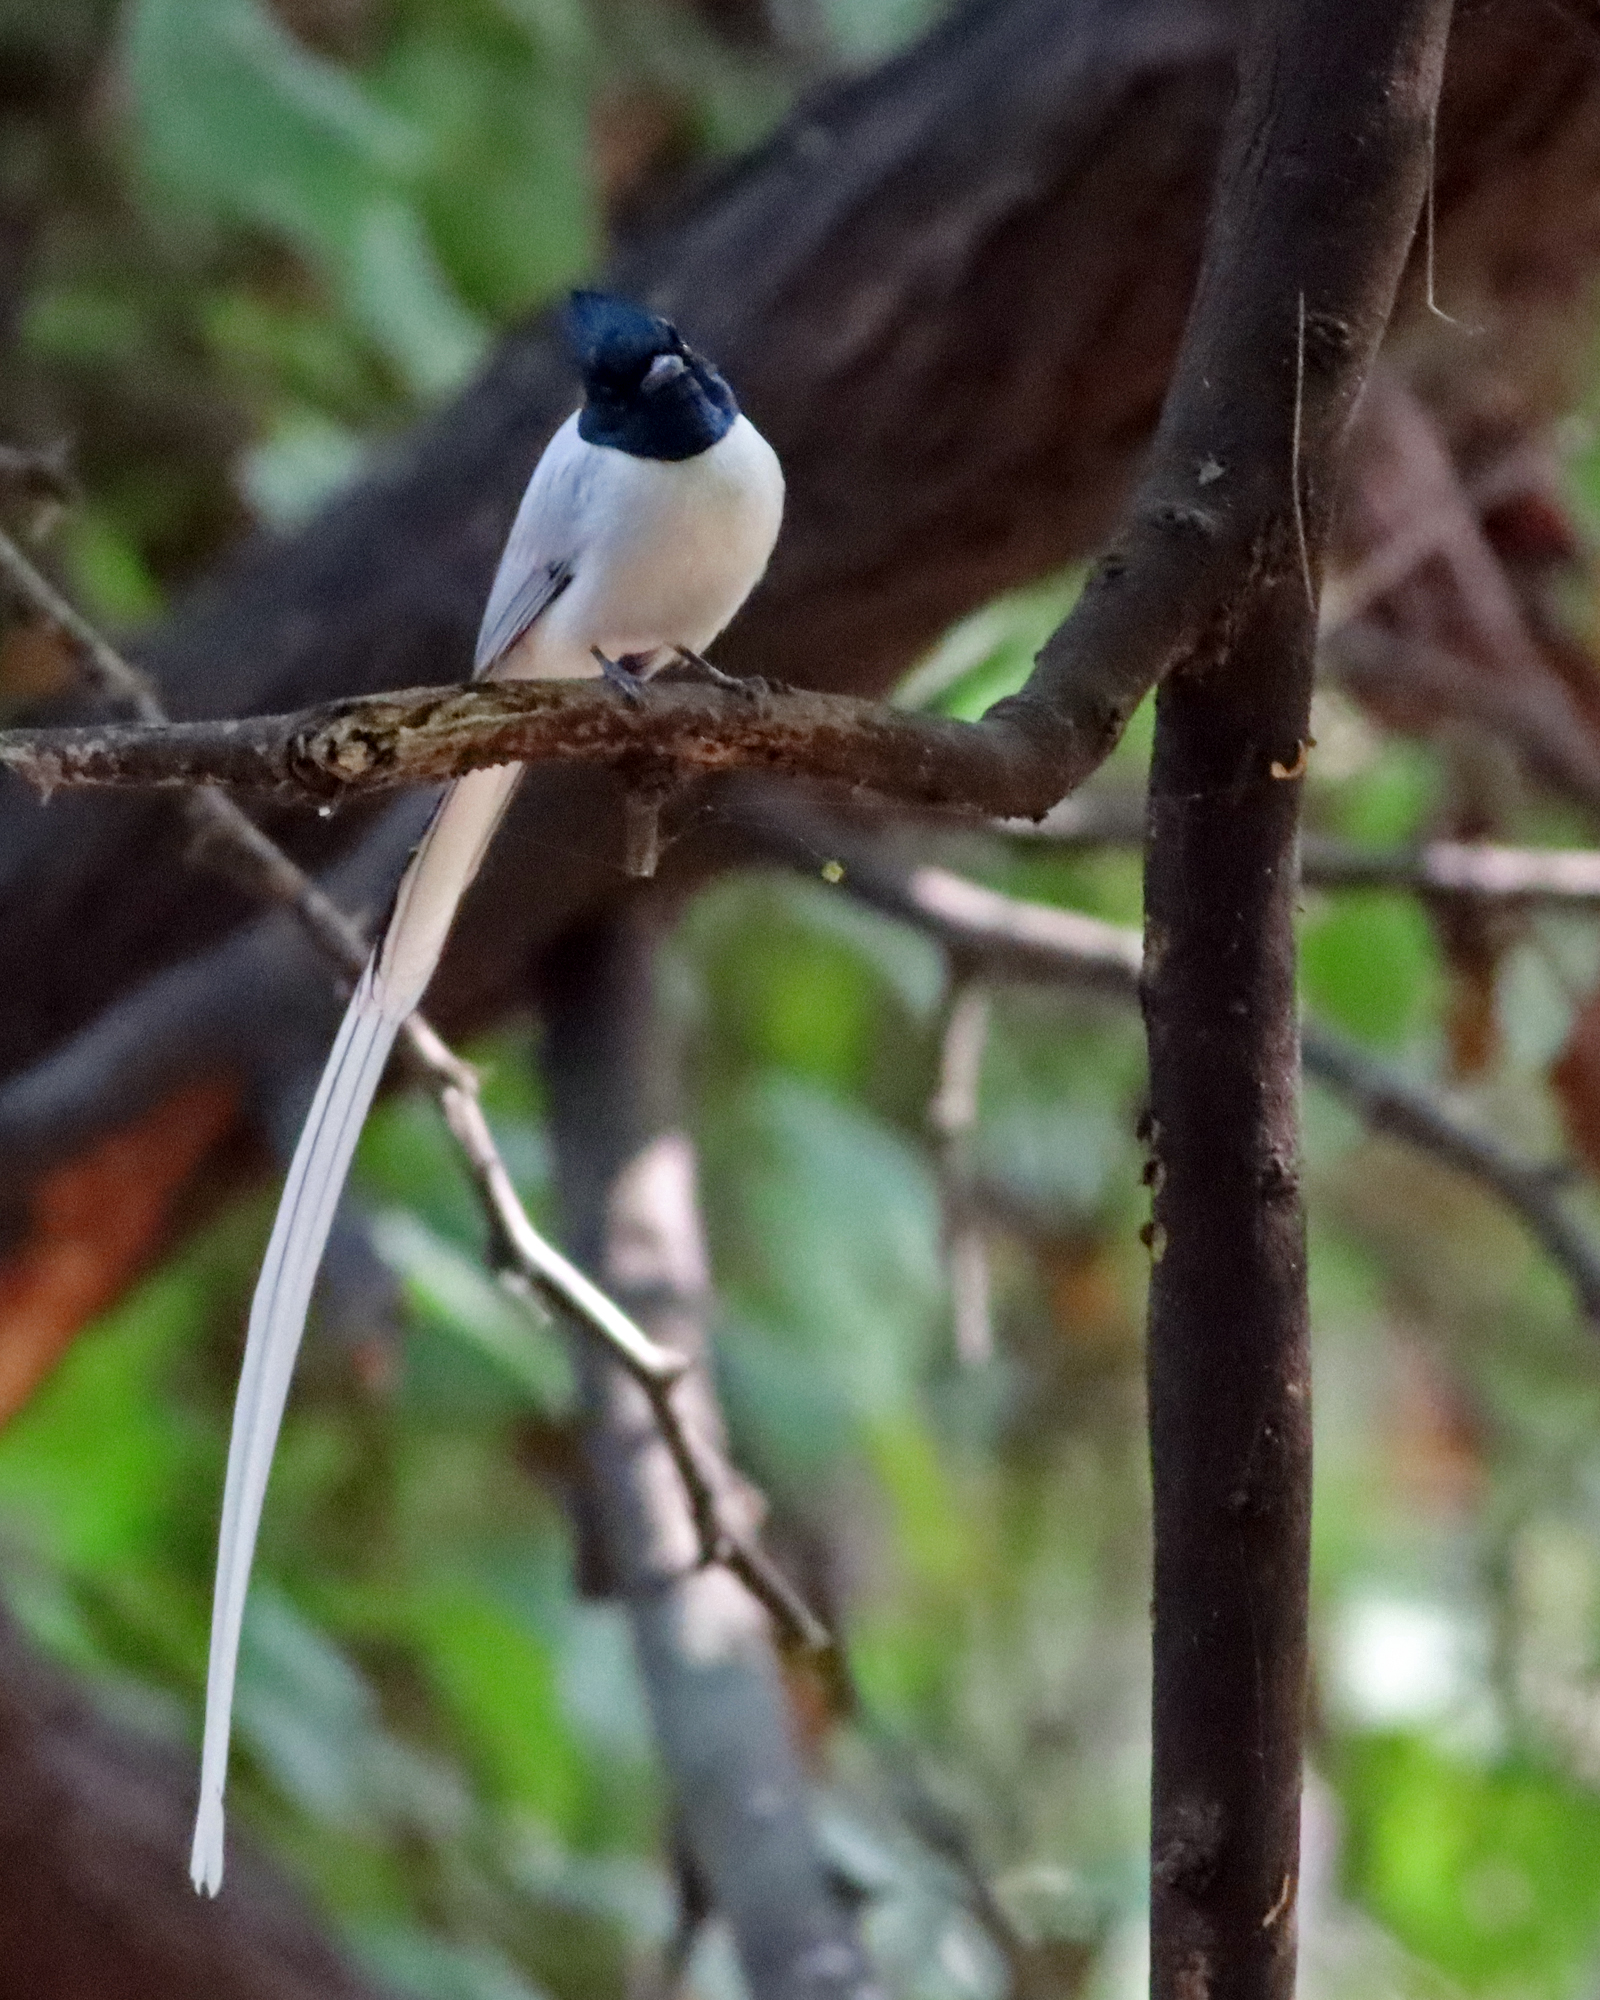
column 665, row 551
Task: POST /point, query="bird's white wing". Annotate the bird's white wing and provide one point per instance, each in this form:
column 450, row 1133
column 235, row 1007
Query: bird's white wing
column 541, row 551
column 537, row 566
column 531, row 593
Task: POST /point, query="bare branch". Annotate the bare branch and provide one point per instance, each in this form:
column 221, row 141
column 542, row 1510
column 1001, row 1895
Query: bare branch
column 626, row 1177
column 1318, row 197
column 1008, row 938
column 952, row 1117
column 428, row 735
column 1531, row 1189
column 1554, row 877
column 1005, row 940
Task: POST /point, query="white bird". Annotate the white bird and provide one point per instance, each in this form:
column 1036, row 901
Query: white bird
column 646, row 524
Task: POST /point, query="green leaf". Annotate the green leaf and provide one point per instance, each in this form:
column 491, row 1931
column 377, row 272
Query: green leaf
column 432, row 1968
column 507, row 192
column 313, row 1721
column 241, row 122
column 1371, row 963
column 1388, row 799
column 93, row 1468
column 498, row 1680
column 1492, row 1873
column 109, row 570
column 84, row 323
column 837, row 1240
column 242, row 125
column 301, row 464
column 461, row 1300
column 796, row 974
column 394, row 287
column 991, row 652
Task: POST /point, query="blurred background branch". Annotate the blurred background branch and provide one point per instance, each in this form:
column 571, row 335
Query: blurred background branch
column 626, row 1175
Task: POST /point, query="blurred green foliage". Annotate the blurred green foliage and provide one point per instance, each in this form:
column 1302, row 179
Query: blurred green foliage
column 1492, row 1871
column 266, row 239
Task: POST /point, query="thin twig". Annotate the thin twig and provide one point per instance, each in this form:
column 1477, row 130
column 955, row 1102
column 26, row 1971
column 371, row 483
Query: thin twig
column 1391, row 1104
column 232, row 843
column 952, row 1114
column 1555, row 877
column 941, row 1832
column 520, row 1246
column 1010, row 940
column 1429, row 206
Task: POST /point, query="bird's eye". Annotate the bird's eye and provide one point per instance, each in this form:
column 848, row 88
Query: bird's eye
column 665, row 368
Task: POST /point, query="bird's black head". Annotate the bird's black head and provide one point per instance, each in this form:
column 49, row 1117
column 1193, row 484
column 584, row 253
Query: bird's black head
column 646, row 392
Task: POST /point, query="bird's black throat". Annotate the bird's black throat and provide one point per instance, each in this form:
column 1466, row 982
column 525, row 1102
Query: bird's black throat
column 633, row 405
column 681, row 419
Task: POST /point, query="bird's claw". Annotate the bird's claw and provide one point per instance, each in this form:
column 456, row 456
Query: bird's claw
column 754, row 688
column 615, row 674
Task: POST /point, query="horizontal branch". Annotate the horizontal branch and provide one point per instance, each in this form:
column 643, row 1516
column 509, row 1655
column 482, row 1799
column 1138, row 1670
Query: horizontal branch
column 1561, row 877
column 1400, row 1109
column 1003, row 938
column 371, row 743
column 427, row 735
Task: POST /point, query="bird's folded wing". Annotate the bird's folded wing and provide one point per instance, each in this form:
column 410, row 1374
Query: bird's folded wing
column 542, row 550
column 514, row 604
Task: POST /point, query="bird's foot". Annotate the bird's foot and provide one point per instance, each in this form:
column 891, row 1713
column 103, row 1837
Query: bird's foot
column 754, row 688
column 618, row 674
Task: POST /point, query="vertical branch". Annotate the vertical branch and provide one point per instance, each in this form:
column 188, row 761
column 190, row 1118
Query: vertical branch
column 627, row 1181
column 1229, row 1368
column 952, row 1119
column 1318, row 197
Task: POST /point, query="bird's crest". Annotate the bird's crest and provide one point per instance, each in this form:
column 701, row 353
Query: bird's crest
column 646, row 390
column 614, row 341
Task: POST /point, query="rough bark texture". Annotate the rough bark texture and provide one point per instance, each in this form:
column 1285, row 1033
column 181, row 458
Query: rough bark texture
column 384, row 742
column 1317, row 200
column 626, row 1176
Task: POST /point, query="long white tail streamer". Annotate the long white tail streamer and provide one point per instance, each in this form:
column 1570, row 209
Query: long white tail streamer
column 435, row 880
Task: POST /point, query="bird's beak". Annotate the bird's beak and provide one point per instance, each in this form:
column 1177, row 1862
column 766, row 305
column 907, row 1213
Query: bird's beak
column 665, row 368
